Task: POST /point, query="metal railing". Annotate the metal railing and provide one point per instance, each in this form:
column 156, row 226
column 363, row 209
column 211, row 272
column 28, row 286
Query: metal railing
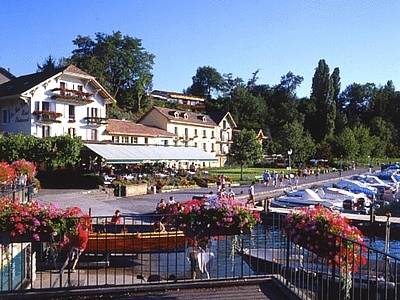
column 15, row 192
column 361, row 272
column 133, row 253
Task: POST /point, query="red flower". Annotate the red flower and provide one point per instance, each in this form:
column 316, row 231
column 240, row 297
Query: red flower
column 7, row 173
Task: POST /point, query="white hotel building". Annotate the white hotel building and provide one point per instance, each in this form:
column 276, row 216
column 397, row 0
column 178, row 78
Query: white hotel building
column 68, row 101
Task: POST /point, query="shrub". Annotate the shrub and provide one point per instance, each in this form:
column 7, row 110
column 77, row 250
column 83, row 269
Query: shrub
column 64, row 179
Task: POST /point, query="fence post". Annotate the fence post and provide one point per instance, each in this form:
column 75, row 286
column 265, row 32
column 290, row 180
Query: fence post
column 287, row 260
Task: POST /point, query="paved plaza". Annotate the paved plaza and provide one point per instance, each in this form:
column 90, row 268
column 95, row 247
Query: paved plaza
column 102, row 204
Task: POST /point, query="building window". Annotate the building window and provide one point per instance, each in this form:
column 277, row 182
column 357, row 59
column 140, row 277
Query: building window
column 125, row 139
column 186, row 144
column 71, row 112
column 165, row 142
column 176, row 130
column 37, row 105
column 146, row 140
column 212, row 147
column 204, row 133
column 93, row 134
column 204, row 146
column 186, row 132
column 6, row 116
column 62, row 88
column 45, row 106
column 80, row 88
column 195, row 144
column 212, row 134
column 45, row 131
column 72, row 132
column 224, row 124
column 115, row 139
column 135, row 140
column 195, row 132
column 94, row 112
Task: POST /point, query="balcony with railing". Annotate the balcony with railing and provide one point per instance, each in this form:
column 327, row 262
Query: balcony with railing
column 96, row 121
column 131, row 256
column 71, row 96
column 45, row 116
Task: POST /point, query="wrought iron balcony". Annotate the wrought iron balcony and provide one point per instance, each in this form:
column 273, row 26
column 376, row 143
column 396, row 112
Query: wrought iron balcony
column 44, row 116
column 71, row 96
column 96, row 121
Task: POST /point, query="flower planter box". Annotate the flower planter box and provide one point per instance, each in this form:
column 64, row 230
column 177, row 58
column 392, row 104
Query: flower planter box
column 131, row 190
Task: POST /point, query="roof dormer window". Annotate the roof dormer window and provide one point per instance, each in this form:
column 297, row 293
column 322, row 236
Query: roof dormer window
column 176, row 114
column 185, row 116
column 204, row 119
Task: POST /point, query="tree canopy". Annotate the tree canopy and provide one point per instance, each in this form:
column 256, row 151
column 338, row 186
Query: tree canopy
column 246, row 149
column 120, row 63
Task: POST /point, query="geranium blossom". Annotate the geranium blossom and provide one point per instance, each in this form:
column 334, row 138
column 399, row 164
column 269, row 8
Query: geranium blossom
column 24, row 167
column 201, row 218
column 7, row 173
column 36, row 220
column 327, row 234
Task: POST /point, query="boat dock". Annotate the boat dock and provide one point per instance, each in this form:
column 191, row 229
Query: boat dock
column 352, row 217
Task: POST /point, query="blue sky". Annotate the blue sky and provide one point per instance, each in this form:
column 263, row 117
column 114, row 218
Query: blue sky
column 360, row 37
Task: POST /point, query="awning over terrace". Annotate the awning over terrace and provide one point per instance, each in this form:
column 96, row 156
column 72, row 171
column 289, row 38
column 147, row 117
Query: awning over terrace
column 127, row 154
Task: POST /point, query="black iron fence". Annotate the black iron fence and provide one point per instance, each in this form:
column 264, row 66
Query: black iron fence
column 22, row 193
column 136, row 251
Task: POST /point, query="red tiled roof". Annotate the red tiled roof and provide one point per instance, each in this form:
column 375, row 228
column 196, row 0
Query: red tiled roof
column 192, row 117
column 121, row 127
column 75, row 70
column 18, row 85
column 176, row 95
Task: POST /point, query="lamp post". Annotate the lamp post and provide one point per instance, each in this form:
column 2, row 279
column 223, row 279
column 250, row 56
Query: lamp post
column 369, row 164
column 290, row 151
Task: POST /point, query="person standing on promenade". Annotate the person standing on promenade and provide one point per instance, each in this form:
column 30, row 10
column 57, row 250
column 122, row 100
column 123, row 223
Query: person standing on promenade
column 192, row 254
column 171, row 200
column 116, row 218
column 252, row 198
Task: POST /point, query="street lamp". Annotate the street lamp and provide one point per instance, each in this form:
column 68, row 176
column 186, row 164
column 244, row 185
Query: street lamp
column 369, row 164
column 290, row 151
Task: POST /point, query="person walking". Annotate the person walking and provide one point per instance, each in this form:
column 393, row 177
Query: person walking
column 266, row 177
column 274, row 178
column 281, row 179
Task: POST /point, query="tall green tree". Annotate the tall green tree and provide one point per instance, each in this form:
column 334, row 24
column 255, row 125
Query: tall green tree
column 292, row 136
column 322, row 97
column 247, row 109
column 355, row 101
column 246, row 149
column 50, row 64
column 365, row 141
column 120, row 63
column 345, row 144
column 207, row 82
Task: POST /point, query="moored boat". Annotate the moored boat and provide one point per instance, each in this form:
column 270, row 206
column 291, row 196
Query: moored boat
column 121, row 243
